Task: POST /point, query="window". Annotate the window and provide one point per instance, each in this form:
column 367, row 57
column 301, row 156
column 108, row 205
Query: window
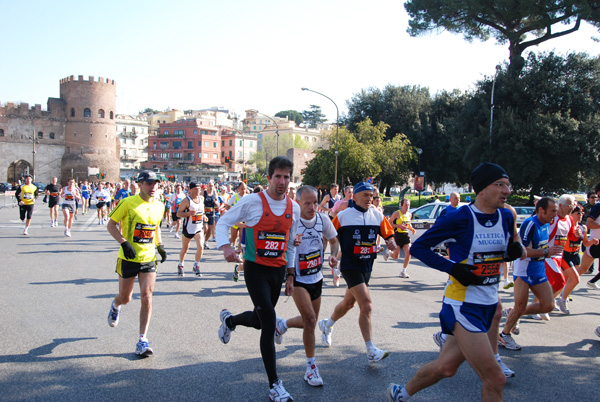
column 111, row 115
column 190, row 144
column 206, row 143
column 72, row 112
column 214, row 144
column 259, row 136
column 230, row 142
column 179, row 132
column 190, row 156
column 222, row 154
column 241, row 143
column 206, row 155
column 40, row 135
column 154, row 145
column 51, row 135
column 176, row 155
column 101, row 114
column 240, row 155
column 254, row 128
column 164, row 155
column 1, row 132
column 230, row 155
column 199, row 154
column 199, row 143
column 87, row 112
column 222, row 143
column 133, row 130
column 166, row 132
column 195, row 131
column 215, row 156
column 176, row 144
column 164, row 145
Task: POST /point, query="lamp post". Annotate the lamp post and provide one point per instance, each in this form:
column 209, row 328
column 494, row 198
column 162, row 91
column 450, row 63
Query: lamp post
column 276, row 129
column 419, row 152
column 337, row 128
column 492, row 107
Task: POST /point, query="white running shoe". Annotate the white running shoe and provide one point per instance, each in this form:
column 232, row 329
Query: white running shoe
column 177, row 235
column 403, row 274
column 375, row 355
column 326, row 333
column 25, row 232
column 563, row 305
column 508, row 285
column 592, row 285
column 312, row 376
column 113, row 316
column 180, row 270
column 51, row 224
column 170, row 228
column 508, row 342
column 536, row 317
column 386, row 256
column 506, row 312
column 279, row 394
column 393, row 393
column 545, row 316
column 440, row 339
column 279, row 331
column 196, row 269
column 507, row 372
column 224, row 331
column 142, row 349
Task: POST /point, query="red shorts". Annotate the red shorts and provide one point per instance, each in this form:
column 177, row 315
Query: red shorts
column 554, row 273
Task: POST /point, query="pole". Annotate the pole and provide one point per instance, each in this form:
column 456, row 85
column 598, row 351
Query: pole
column 276, row 130
column 33, row 173
column 337, row 129
column 492, row 108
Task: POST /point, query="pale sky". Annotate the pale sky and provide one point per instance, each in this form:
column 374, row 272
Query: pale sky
column 237, row 54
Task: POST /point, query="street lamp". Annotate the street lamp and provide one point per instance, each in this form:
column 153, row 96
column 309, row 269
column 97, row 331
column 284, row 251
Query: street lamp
column 492, row 107
column 337, row 128
column 276, row 129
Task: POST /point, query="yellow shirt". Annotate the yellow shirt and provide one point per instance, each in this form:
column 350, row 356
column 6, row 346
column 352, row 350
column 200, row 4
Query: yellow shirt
column 28, row 194
column 403, row 219
column 139, row 222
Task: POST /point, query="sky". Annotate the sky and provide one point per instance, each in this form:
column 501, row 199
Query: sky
column 237, row 54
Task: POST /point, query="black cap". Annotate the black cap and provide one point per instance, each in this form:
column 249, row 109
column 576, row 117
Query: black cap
column 192, row 185
column 485, row 174
column 147, row 176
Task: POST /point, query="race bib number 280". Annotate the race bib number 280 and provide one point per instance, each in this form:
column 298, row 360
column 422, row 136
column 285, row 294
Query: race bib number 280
column 310, row 263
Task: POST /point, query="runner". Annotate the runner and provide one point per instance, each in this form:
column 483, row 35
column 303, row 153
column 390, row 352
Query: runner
column 272, row 220
column 330, row 199
column 235, row 230
column 529, row 273
column 26, row 195
column 53, row 192
column 101, row 195
column 591, row 253
column 123, row 192
column 358, row 227
column 191, row 210
column 400, row 221
column 481, row 232
column 340, row 205
column 69, row 194
column 139, row 218
column 308, row 282
column 211, row 205
column 85, row 195
column 176, row 198
column 166, row 198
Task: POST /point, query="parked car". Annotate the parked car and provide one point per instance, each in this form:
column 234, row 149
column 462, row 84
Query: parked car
column 425, row 216
column 523, row 213
column 40, row 187
column 5, row 187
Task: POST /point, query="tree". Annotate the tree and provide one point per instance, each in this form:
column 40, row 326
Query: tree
column 294, row 115
column 521, row 24
column 149, row 110
column 314, row 116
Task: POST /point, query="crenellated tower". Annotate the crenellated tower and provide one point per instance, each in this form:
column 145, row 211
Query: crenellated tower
column 90, row 129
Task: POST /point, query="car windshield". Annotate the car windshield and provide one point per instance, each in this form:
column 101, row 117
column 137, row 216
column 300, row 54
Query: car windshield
column 424, row 212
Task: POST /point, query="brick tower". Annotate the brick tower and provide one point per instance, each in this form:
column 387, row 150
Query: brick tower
column 90, row 130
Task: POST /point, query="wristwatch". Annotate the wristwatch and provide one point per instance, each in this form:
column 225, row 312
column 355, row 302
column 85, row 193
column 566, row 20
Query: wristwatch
column 288, row 274
column 546, row 251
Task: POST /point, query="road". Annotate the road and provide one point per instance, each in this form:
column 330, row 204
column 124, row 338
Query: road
column 57, row 346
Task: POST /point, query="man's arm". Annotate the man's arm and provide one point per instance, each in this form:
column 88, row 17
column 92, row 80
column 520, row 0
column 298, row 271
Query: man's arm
column 181, row 211
column 114, row 231
column 324, row 202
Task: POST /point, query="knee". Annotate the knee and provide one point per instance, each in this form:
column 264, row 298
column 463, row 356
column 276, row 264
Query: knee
column 310, row 322
column 495, row 380
column 446, row 370
column 348, row 305
column 146, row 297
column 547, row 306
column 366, row 308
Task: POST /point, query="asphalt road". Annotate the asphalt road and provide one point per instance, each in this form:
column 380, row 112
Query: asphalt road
column 55, row 343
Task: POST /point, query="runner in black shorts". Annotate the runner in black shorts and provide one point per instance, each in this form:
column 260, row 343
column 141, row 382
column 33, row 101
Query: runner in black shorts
column 52, row 190
column 308, row 283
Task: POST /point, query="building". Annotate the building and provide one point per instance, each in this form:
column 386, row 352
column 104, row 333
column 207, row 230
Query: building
column 132, row 132
column 237, row 149
column 75, row 136
column 187, row 148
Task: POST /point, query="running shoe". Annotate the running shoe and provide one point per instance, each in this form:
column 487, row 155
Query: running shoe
column 196, row 269
column 55, row 224
column 99, row 222
column 75, row 216
column 177, row 235
column 597, row 332
column 516, row 329
column 142, row 349
column 545, row 316
column 506, row 311
column 113, row 315
column 326, row 333
column 563, row 305
column 280, row 329
column 312, row 376
column 507, row 372
column 224, row 331
column 236, row 274
column 278, row 393
column 52, row 224
column 403, row 274
column 508, row 342
column 180, row 270
column 375, row 355
column 439, row 339
column 385, row 256
column 206, row 246
column 25, row 232
column 536, row 317
column 592, row 285
column 393, row 393
column 170, row 228
column 508, row 285
column 68, row 233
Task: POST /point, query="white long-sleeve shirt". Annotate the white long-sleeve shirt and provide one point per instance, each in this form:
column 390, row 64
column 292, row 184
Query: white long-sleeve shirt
column 249, row 210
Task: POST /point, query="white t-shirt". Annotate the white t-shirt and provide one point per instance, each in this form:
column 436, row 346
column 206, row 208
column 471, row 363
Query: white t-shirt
column 309, row 254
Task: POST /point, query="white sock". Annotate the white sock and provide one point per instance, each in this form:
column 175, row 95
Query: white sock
column 369, row 345
column 404, row 395
column 310, row 361
column 284, row 324
column 196, row 263
column 143, row 338
column 329, row 323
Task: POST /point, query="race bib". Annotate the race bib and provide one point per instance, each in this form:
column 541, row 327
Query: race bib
column 270, row 245
column 27, row 196
column 69, row 197
column 197, row 218
column 364, row 248
column 560, row 241
column 207, row 210
column 53, row 194
column 310, row 263
column 143, row 233
column 488, row 266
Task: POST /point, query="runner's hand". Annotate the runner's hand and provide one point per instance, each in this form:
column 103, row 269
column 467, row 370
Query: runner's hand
column 333, row 261
column 163, row 254
column 128, row 250
column 463, row 273
column 391, row 244
column 514, row 251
